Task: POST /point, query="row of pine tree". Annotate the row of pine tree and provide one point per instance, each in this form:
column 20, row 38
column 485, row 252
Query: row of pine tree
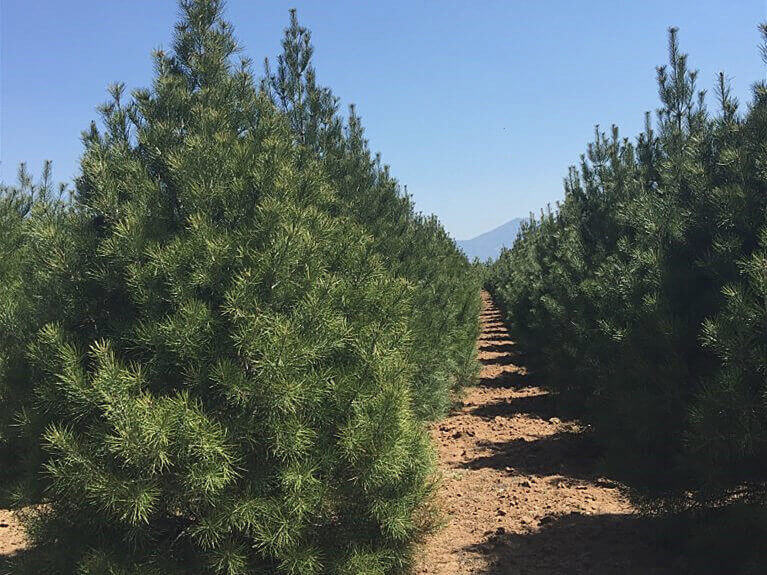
column 642, row 299
column 218, row 354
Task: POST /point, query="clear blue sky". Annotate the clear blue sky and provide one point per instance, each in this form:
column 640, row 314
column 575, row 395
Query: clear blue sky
column 478, row 106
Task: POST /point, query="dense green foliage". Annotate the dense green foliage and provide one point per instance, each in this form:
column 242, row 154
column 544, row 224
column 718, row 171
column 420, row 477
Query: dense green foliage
column 222, row 352
column 446, row 299
column 643, row 297
column 28, row 212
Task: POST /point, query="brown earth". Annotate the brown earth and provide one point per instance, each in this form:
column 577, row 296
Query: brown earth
column 12, row 539
column 520, row 488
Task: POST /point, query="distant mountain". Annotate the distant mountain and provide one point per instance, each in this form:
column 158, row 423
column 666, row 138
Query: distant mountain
column 489, row 244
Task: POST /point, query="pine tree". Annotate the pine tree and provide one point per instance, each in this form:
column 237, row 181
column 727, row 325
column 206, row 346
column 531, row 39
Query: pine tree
column 28, row 212
column 413, row 246
column 728, row 422
column 227, row 384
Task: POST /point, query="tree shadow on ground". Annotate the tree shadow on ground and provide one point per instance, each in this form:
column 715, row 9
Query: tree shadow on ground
column 506, row 359
column 494, row 331
column 567, row 454
column 506, row 379
column 541, row 406
column 507, row 347
column 621, row 544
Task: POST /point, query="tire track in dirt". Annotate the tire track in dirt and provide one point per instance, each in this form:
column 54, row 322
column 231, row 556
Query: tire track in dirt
column 519, row 492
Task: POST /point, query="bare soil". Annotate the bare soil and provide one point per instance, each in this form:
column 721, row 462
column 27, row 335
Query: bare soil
column 12, row 538
column 520, row 489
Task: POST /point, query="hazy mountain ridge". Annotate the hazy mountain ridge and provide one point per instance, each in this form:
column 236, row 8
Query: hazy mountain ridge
column 489, row 244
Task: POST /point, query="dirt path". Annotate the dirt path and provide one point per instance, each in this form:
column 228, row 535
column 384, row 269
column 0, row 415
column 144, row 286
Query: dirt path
column 520, row 491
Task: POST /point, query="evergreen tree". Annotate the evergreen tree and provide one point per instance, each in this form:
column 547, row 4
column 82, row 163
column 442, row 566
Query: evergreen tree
column 446, row 301
column 28, row 212
column 227, row 383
